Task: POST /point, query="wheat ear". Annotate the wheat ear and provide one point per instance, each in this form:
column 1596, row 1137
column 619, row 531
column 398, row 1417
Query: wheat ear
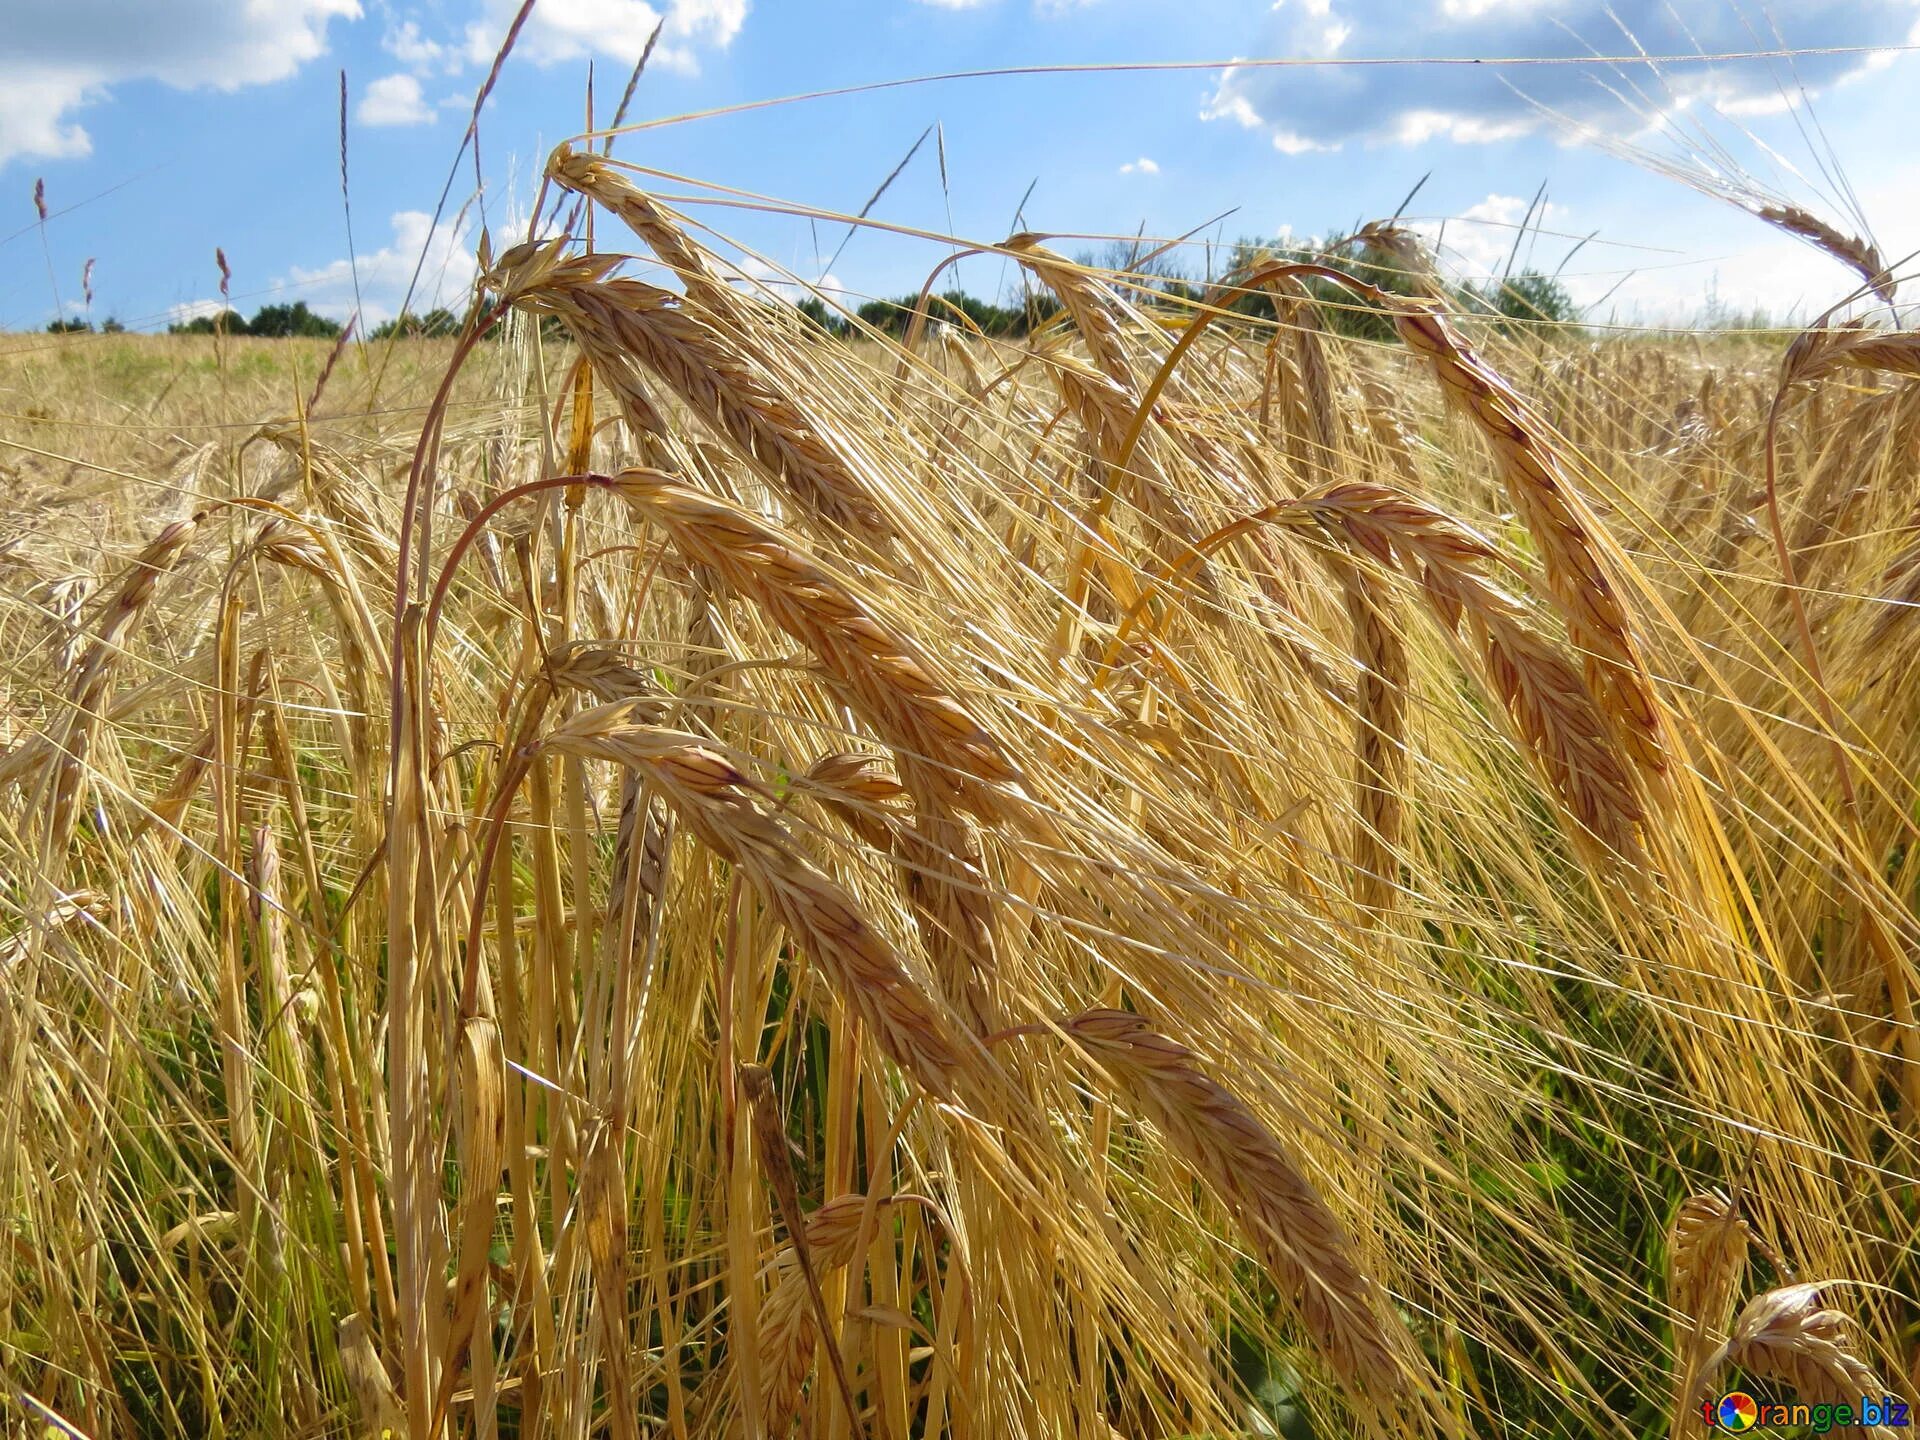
column 723, row 808
column 1379, row 741
column 85, row 696
column 1296, row 1236
column 1553, row 712
column 892, row 686
column 585, row 173
column 1792, row 1337
column 1858, row 255
column 786, row 1339
column 1088, row 301
column 770, row 1139
column 619, row 323
column 1706, row 1257
column 1578, row 574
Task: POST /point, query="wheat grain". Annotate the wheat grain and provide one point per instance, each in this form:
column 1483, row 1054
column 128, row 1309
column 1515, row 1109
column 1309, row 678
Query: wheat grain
column 1298, row 1239
column 888, row 680
column 1578, row 574
column 1855, row 253
column 621, row 323
column 1790, row 1335
column 714, row 798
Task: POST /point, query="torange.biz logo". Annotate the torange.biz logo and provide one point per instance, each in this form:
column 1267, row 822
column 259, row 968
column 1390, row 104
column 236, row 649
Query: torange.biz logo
column 1738, row 1410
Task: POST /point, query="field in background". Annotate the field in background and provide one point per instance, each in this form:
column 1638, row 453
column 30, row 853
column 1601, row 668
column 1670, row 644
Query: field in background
column 1180, row 875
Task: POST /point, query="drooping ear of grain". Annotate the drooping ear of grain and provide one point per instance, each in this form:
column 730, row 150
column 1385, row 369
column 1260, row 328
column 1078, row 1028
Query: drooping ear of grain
column 1706, row 1260
column 787, row 1340
column 892, row 684
column 1289, row 1226
column 1379, row 743
column 1792, row 1337
column 1579, row 573
column 623, row 323
column 1858, row 255
column 585, row 173
column 714, row 798
column 1554, row 713
column 87, row 692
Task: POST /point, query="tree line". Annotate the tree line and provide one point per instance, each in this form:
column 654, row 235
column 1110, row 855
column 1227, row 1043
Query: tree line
column 278, row 322
column 1144, row 278
column 1147, row 279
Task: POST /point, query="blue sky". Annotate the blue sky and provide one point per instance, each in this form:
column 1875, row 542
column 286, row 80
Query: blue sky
column 165, row 128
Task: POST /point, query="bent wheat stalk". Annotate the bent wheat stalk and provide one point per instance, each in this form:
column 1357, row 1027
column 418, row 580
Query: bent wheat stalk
column 770, row 1138
column 1791, row 1336
column 831, row 1239
column 1706, row 1256
column 1576, row 559
column 620, row 323
column 1290, row 1227
column 723, row 807
column 892, row 686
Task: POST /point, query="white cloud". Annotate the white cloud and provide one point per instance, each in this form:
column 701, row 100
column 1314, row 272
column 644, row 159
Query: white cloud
column 1479, row 239
column 1411, row 104
column 573, row 29
column 32, row 111
column 1228, row 103
column 1289, row 142
column 1050, row 8
column 1142, row 166
column 446, row 273
column 393, row 100
column 62, row 54
column 193, row 310
column 1415, row 127
column 411, row 48
column 1474, row 9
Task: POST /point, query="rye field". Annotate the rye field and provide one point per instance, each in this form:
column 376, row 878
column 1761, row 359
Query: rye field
column 1276, row 858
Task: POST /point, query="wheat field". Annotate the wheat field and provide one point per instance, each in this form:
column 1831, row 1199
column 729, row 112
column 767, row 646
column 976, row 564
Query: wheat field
column 651, row 870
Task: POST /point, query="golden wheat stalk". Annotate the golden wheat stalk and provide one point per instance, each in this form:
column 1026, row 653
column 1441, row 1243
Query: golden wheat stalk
column 723, row 807
column 1379, row 742
column 891, row 684
column 1860, row 256
column 1790, row 1335
column 87, row 692
column 585, row 173
column 832, row 1240
column 1579, row 572
column 1553, row 712
column 623, row 323
column 1706, row 1258
column 1290, row 1227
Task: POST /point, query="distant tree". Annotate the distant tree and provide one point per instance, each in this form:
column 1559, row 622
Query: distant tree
column 892, row 316
column 111, row 326
column 62, row 326
column 434, row 325
column 1143, row 273
column 282, row 321
column 1529, row 298
column 815, row 310
column 955, row 307
column 1340, row 309
column 1032, row 309
column 226, row 322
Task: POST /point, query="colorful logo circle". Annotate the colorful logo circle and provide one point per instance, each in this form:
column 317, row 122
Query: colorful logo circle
column 1737, row 1411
